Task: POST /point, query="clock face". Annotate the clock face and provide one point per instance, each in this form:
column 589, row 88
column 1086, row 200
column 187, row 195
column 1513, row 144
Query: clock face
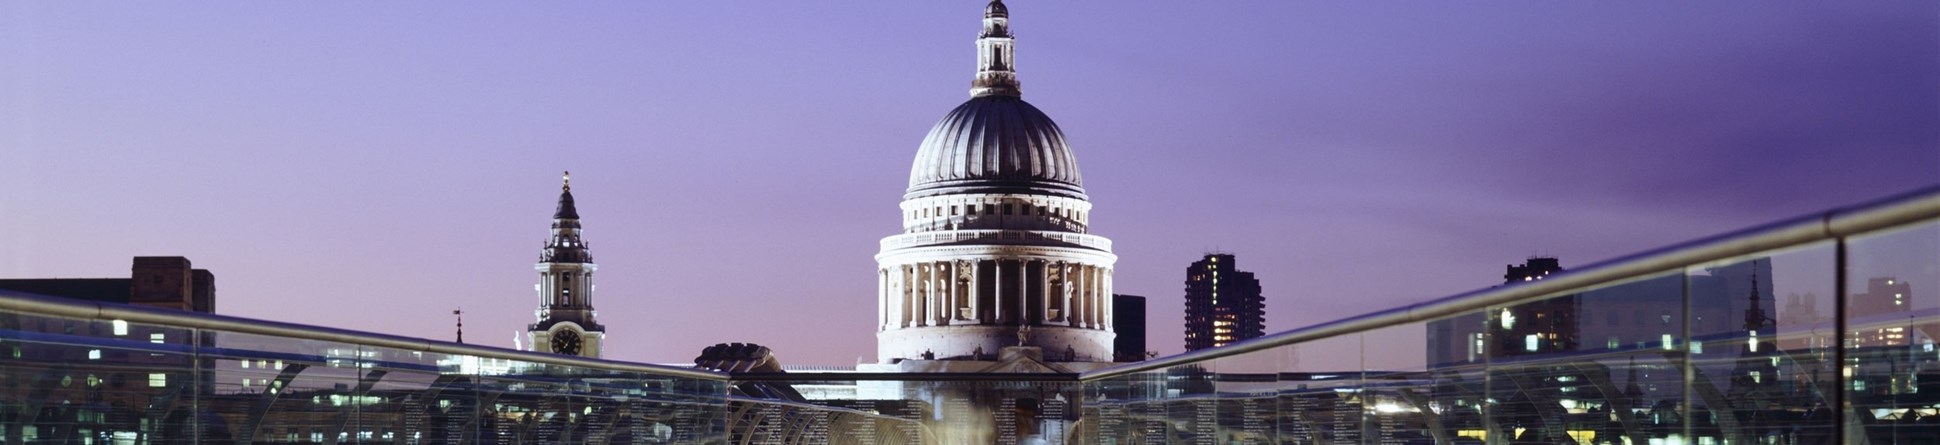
column 565, row 341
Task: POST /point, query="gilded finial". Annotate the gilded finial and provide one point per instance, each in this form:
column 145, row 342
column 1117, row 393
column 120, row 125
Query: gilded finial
column 566, row 181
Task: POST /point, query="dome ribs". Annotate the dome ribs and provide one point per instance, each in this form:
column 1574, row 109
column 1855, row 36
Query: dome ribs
column 994, row 143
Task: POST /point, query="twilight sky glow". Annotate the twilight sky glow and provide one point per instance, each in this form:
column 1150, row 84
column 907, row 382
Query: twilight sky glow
column 373, row 166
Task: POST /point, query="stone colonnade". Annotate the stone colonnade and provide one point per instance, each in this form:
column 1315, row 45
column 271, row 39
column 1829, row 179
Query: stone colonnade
column 994, row 291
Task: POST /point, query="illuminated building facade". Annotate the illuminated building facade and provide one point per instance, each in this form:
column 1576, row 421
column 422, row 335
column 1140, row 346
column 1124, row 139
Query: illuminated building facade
column 1882, row 310
column 996, row 249
column 1223, row 304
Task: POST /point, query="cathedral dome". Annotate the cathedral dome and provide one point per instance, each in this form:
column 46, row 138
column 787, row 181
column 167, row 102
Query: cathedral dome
column 995, row 144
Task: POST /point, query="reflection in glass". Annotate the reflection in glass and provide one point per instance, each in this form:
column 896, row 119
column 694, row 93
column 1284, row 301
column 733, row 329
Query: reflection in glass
column 1892, row 318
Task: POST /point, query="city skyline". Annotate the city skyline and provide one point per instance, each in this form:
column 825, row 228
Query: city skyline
column 736, row 176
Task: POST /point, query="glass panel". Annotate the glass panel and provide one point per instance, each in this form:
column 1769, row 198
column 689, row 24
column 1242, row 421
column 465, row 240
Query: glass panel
column 279, row 390
column 80, row 381
column 1320, row 399
column 1892, row 318
column 410, row 397
column 1600, row 366
column 1247, row 390
column 1188, row 403
column 1126, row 409
column 530, row 403
column 1761, row 346
column 1416, row 403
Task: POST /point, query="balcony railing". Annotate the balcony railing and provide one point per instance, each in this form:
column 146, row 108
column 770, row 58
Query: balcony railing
column 1815, row 330
column 956, row 236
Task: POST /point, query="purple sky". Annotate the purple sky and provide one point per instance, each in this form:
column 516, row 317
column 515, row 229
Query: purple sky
column 374, row 166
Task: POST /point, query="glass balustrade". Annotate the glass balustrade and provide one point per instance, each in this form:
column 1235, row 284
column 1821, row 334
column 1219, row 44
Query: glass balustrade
column 1815, row 331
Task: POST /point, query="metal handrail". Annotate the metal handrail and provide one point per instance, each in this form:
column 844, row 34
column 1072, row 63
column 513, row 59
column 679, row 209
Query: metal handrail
column 1828, row 225
column 64, row 307
column 1832, row 224
column 811, row 377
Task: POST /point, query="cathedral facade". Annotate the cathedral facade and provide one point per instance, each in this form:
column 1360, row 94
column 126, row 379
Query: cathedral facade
column 996, row 249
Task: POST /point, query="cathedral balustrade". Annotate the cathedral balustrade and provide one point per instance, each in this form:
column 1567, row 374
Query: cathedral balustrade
column 1015, row 236
column 976, row 212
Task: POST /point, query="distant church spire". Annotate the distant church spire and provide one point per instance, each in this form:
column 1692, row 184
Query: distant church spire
column 1755, row 319
column 995, row 72
column 565, row 290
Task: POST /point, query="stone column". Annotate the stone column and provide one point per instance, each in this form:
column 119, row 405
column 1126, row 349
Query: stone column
column 1091, row 297
column 895, row 298
column 898, row 301
column 1084, row 294
column 1062, row 296
column 998, row 314
column 1074, row 287
column 928, row 276
column 936, row 293
column 1021, row 304
column 912, row 290
column 947, row 292
column 923, row 299
column 910, row 308
column 882, row 300
column 976, row 298
column 1107, row 301
column 1077, row 296
column 1044, row 292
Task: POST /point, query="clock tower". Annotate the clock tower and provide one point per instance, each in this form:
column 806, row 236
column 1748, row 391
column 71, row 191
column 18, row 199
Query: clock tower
column 565, row 288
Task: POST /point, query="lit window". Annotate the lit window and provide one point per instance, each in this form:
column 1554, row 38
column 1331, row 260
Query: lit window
column 94, row 354
column 157, row 338
column 157, row 380
column 1531, row 342
column 121, row 327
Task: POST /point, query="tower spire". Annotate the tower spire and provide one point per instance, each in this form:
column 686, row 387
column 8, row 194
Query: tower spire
column 565, row 316
column 1755, row 316
column 566, row 210
column 995, row 75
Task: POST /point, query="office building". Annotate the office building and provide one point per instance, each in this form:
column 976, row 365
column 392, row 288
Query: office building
column 1223, row 304
column 1128, row 321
